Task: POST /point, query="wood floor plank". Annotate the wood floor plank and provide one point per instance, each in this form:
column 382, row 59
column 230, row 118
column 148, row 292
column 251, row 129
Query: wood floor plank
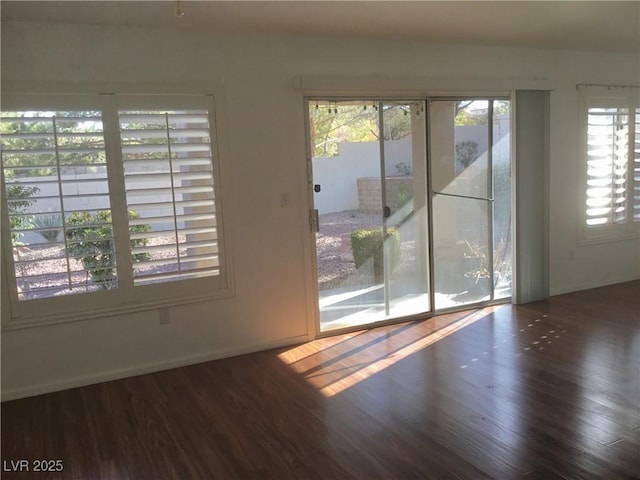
column 549, row 390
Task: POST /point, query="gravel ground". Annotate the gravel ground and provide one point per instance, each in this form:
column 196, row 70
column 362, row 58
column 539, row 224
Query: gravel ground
column 335, row 259
column 46, row 266
column 333, row 244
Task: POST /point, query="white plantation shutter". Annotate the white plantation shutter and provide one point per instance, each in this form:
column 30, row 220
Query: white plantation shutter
column 54, row 169
column 607, row 157
column 170, row 194
column 612, row 163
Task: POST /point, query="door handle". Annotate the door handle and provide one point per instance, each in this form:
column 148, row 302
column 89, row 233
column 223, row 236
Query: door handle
column 314, row 220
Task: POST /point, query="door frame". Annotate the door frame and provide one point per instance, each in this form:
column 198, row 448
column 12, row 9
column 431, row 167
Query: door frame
column 310, row 248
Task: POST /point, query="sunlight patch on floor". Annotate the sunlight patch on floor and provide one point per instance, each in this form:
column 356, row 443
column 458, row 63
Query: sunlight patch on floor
column 335, row 364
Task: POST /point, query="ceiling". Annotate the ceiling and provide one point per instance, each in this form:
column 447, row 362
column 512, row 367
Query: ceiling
column 592, row 25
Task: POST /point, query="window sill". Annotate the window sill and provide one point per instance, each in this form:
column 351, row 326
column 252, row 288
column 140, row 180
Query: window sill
column 21, row 322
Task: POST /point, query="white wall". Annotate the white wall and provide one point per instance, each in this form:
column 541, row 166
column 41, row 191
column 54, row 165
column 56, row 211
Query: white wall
column 265, row 155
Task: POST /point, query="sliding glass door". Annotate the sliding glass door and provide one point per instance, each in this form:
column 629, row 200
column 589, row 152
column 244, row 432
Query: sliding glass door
column 380, row 206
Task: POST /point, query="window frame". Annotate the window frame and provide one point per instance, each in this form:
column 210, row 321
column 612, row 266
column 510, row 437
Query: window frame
column 607, row 97
column 126, row 298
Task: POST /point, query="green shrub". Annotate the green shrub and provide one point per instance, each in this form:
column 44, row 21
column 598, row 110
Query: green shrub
column 90, row 241
column 466, row 152
column 367, row 243
column 403, row 197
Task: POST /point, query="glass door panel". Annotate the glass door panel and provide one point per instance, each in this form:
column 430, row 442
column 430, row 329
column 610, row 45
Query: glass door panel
column 371, row 243
column 461, row 168
column 346, row 186
column 461, row 251
column 405, row 195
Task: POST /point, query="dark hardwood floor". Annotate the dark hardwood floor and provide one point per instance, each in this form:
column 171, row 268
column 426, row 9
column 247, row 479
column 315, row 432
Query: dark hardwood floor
column 549, row 390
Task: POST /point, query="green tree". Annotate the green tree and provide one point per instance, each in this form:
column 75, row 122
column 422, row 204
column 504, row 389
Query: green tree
column 501, row 107
column 397, row 122
column 331, row 123
column 465, row 115
column 76, row 134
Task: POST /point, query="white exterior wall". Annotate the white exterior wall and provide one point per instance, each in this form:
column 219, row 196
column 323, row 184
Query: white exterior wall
column 49, row 188
column 266, row 200
column 338, row 175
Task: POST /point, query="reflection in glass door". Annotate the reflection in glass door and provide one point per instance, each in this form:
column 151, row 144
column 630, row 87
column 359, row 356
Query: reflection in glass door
column 369, row 194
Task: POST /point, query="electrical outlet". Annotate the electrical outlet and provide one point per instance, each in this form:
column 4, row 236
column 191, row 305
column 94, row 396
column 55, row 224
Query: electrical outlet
column 163, row 313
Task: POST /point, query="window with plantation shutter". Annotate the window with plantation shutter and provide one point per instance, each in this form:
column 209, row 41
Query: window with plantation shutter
column 55, row 176
column 612, row 164
column 109, row 203
column 607, row 165
column 169, row 183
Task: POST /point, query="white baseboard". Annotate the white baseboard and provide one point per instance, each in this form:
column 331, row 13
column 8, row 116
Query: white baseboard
column 589, row 285
column 84, row 380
